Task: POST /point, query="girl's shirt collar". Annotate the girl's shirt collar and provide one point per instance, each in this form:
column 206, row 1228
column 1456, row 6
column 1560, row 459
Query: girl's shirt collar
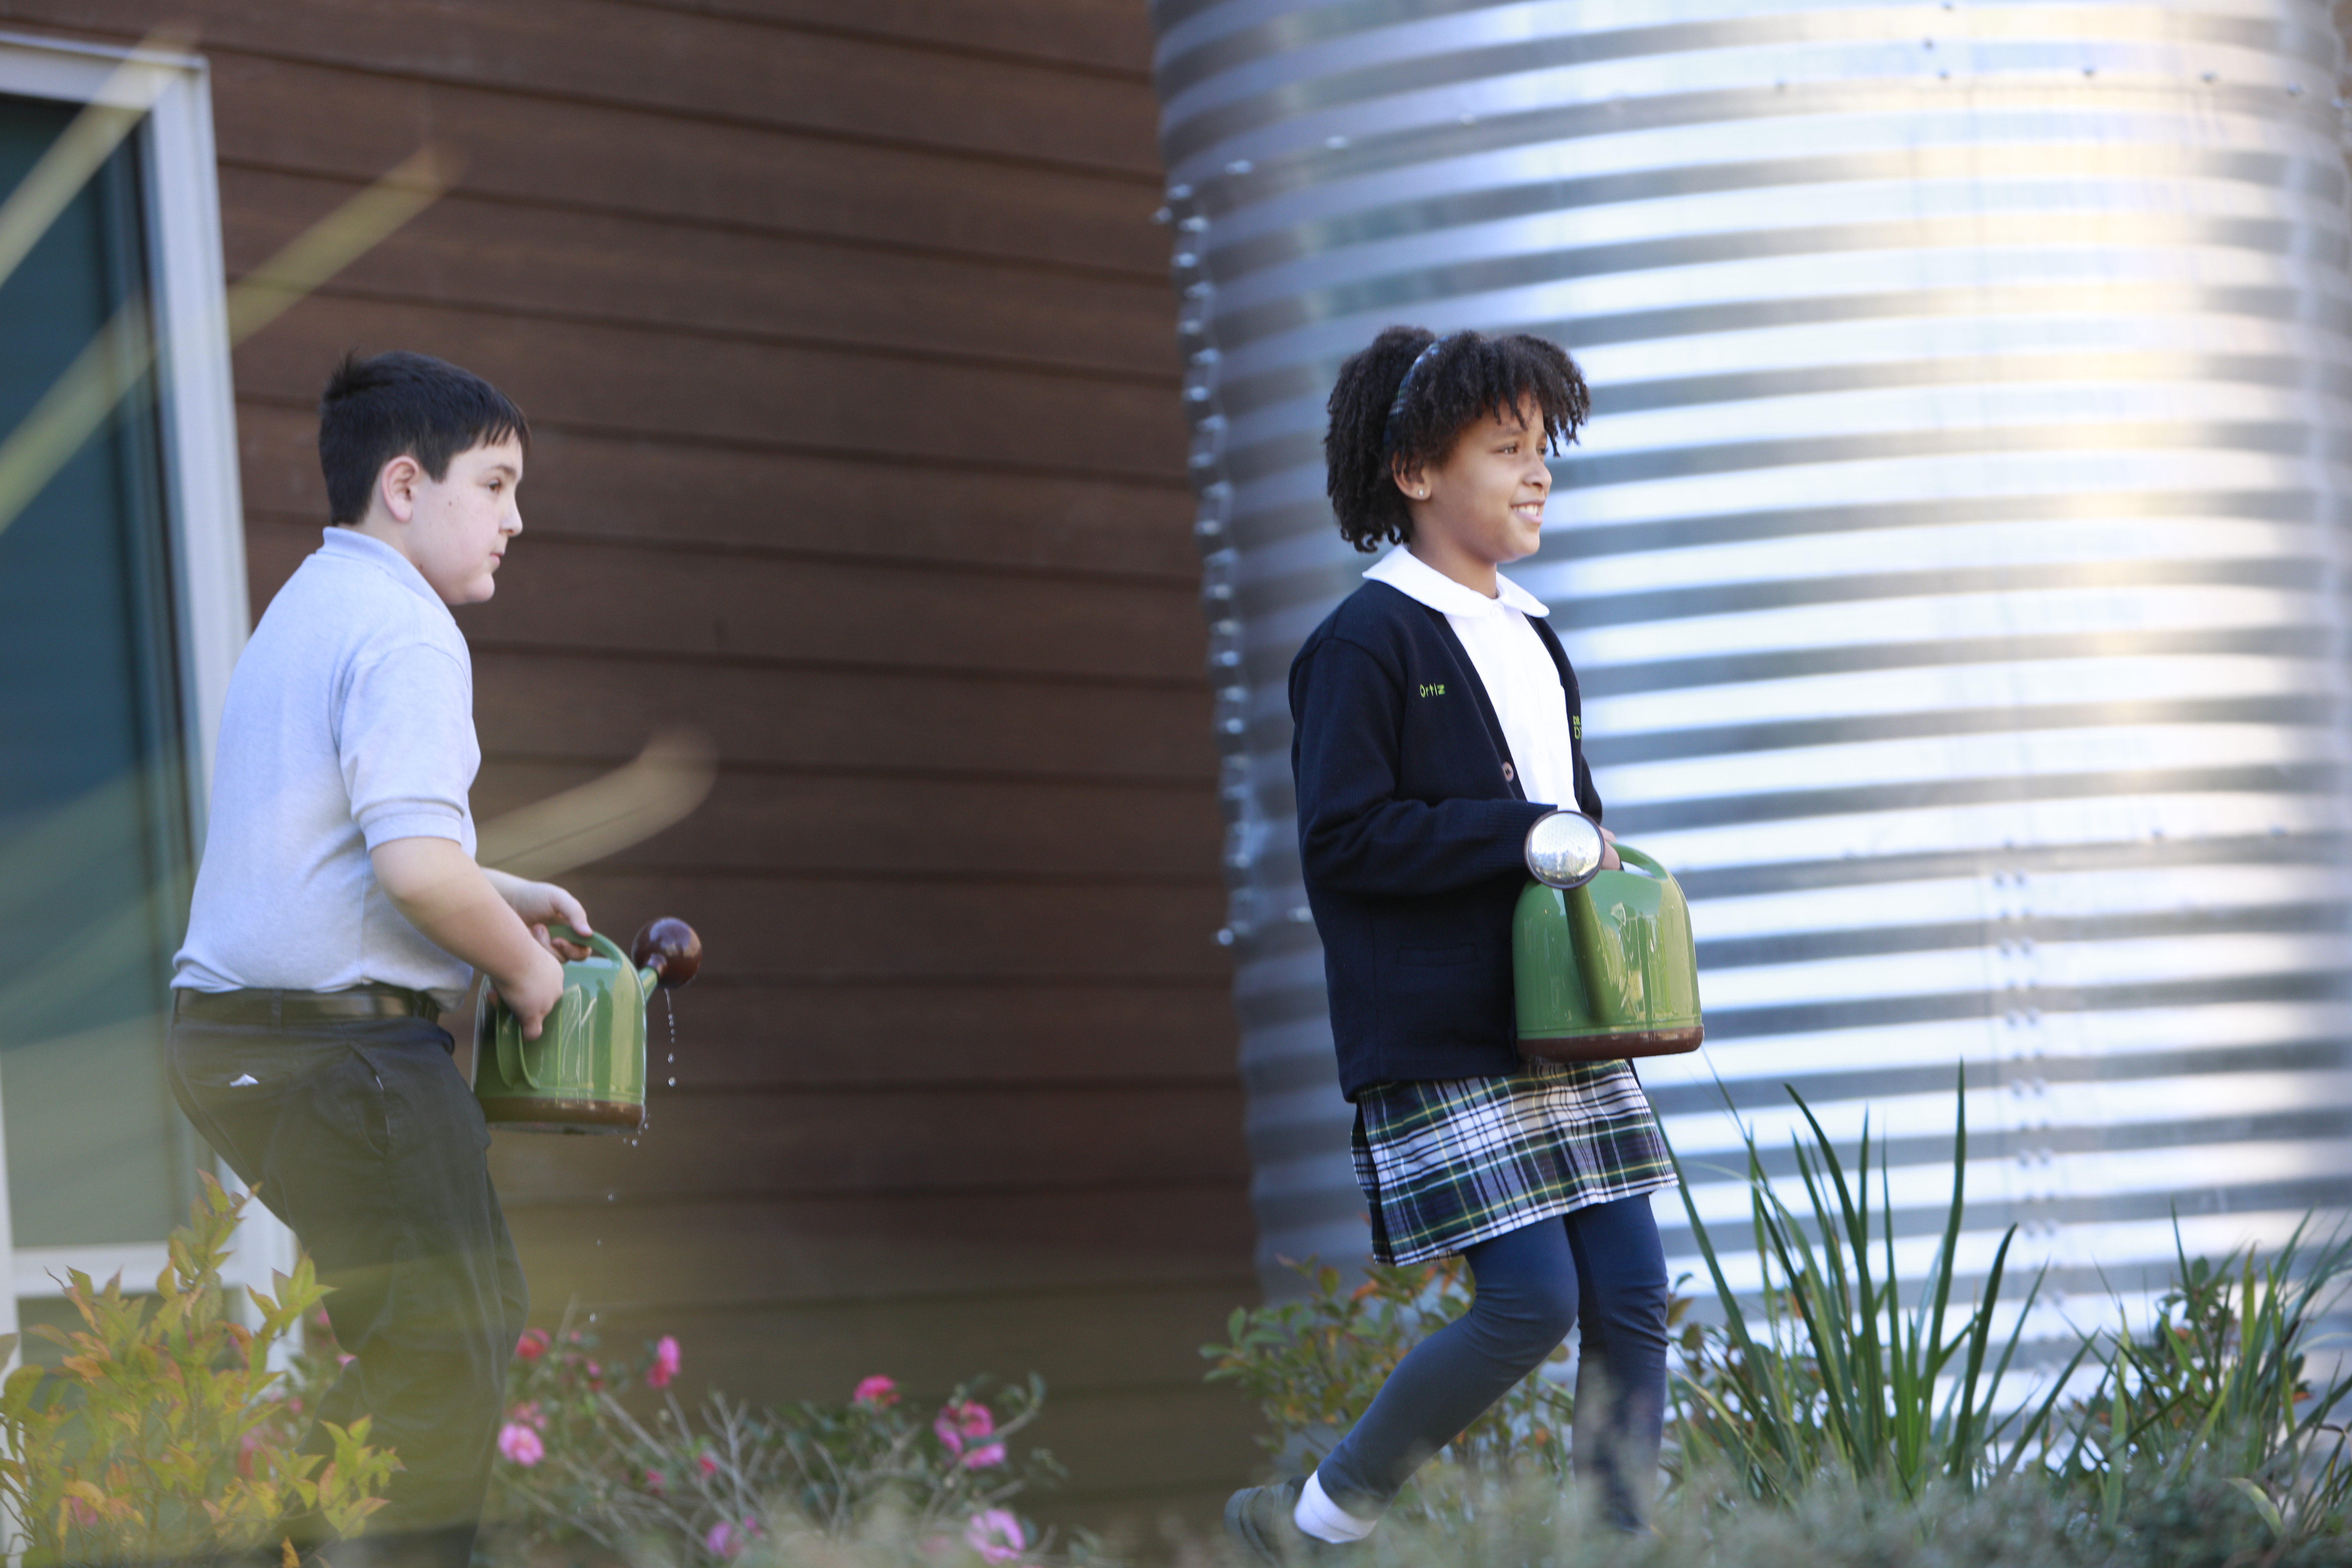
column 1416, row 579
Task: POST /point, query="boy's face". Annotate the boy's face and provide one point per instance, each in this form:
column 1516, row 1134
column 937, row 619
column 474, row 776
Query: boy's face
column 1485, row 501
column 454, row 529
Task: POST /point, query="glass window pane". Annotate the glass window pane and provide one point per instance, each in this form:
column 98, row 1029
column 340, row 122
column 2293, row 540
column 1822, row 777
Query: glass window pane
column 93, row 852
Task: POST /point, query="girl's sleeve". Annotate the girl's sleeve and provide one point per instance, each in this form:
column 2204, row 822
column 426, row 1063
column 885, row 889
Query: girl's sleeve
column 1354, row 834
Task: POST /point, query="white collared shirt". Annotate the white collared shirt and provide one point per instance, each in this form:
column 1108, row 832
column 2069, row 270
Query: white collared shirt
column 349, row 723
column 1512, row 663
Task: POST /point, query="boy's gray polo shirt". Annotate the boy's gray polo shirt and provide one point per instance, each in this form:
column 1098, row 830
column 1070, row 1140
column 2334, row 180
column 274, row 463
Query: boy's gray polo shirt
column 350, row 722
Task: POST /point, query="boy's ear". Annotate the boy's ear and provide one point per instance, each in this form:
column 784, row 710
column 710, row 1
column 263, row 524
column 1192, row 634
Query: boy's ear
column 395, row 487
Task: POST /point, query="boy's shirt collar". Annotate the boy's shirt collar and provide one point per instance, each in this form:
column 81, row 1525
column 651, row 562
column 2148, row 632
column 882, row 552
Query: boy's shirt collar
column 1416, row 579
column 353, row 545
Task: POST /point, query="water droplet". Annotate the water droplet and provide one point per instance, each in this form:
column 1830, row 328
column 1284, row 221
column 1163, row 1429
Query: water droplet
column 672, row 1083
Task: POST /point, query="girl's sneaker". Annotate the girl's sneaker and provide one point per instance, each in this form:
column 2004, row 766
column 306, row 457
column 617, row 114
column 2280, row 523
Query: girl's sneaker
column 1259, row 1519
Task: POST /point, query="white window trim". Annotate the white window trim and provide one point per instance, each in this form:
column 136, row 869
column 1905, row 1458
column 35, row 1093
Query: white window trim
column 204, row 507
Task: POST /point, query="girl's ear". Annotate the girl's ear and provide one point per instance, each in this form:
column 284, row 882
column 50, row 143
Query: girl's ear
column 1409, row 477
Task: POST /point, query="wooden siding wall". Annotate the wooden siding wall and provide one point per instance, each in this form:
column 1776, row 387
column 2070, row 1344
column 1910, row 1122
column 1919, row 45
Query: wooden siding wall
column 847, row 339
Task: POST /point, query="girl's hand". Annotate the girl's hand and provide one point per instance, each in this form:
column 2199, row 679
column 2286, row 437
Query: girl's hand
column 1609, row 861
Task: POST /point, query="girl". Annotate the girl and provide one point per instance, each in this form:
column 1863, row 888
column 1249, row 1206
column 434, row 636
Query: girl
column 1436, row 720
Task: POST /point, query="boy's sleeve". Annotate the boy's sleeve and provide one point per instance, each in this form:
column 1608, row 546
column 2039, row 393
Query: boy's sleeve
column 405, row 740
column 1354, row 834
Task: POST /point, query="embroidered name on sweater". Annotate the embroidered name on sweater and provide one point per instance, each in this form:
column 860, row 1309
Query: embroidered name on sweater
column 1433, row 690
column 1576, row 726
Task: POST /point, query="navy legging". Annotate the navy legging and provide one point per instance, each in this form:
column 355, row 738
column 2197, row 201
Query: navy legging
column 1602, row 1267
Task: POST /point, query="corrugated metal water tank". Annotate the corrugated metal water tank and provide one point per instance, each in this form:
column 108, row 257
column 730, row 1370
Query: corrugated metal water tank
column 1954, row 564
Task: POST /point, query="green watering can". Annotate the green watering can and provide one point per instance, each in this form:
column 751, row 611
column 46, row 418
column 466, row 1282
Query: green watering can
column 1602, row 961
column 586, row 1071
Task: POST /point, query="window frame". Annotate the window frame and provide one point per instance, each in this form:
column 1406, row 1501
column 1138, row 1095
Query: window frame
column 202, row 502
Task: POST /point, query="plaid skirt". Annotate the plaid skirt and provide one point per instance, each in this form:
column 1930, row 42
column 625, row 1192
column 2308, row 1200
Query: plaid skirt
column 1450, row 1161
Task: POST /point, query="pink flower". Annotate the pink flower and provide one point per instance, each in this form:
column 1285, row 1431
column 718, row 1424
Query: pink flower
column 533, row 1343
column 983, row 1458
column 655, row 1485
column 665, row 1366
column 876, row 1391
column 726, row 1540
column 709, row 1465
column 996, row 1535
column 529, row 1415
column 245, row 1447
column 959, row 1419
column 521, row 1443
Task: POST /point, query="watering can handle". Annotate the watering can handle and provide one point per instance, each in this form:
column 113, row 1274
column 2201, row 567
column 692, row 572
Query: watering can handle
column 1627, row 852
column 604, row 946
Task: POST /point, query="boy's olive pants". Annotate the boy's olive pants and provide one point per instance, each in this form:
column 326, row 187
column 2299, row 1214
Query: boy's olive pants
column 362, row 1137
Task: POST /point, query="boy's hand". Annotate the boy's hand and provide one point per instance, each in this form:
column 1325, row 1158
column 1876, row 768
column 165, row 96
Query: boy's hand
column 533, row 995
column 540, row 905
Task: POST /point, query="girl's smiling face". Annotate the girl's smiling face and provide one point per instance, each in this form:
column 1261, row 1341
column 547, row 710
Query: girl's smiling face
column 1483, row 505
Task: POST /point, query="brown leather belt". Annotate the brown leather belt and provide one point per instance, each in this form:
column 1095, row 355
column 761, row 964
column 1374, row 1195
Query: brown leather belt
column 274, row 1007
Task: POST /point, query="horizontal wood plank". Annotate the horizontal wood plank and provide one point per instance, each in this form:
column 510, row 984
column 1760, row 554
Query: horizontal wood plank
column 873, row 1248
column 731, row 391
column 636, row 488
column 1086, row 1344
column 695, row 65
column 353, row 125
column 1105, row 34
column 912, row 932
column 550, row 705
column 490, row 253
column 630, row 599
column 837, row 825
column 1015, row 1138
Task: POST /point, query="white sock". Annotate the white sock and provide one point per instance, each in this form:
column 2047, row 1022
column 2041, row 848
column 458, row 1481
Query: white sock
column 1326, row 1521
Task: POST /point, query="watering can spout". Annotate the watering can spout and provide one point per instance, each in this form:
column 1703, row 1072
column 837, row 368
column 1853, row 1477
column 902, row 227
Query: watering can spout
column 667, row 953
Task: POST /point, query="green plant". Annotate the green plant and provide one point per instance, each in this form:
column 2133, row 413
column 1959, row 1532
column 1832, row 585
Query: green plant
column 2218, row 1381
column 1313, row 1365
column 1837, row 1374
column 162, row 1434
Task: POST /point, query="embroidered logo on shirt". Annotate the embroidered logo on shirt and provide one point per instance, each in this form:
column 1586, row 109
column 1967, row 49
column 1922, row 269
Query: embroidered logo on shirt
column 1576, row 726
column 1438, row 690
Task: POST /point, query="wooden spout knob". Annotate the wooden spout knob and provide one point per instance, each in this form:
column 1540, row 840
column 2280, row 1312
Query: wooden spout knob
column 670, row 948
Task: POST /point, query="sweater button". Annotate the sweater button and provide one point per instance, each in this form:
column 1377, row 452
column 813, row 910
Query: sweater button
column 1506, row 771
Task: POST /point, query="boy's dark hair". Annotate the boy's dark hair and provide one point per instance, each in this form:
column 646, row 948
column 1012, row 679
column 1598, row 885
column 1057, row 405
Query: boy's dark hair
column 1378, row 424
column 400, row 404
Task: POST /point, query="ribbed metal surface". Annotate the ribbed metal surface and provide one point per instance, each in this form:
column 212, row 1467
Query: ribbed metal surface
column 1954, row 564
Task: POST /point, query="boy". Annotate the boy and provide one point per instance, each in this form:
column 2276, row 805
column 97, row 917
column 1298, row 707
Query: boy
column 338, row 910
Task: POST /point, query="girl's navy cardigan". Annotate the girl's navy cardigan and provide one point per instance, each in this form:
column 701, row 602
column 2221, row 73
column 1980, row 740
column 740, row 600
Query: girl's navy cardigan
column 1411, row 833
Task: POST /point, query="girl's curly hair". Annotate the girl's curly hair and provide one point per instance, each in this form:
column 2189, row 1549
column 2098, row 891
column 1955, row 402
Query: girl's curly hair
column 1470, row 376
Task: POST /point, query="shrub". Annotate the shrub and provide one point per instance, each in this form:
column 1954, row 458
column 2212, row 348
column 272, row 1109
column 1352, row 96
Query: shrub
column 163, row 1436
column 582, row 1456
column 1314, row 1364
